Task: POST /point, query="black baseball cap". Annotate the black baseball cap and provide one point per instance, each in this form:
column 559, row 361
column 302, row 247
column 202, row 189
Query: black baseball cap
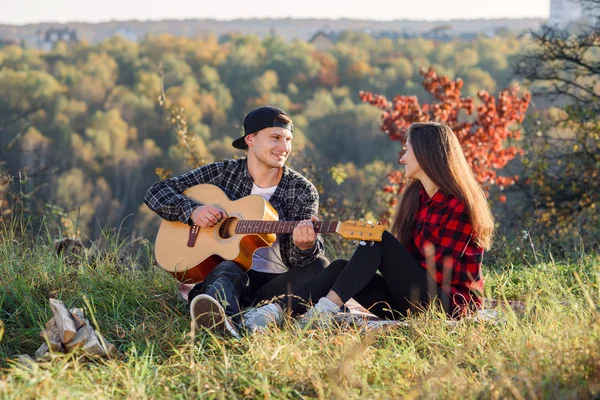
column 259, row 119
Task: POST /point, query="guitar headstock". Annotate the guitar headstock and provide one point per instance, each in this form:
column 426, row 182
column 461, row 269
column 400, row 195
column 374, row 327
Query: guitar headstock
column 359, row 230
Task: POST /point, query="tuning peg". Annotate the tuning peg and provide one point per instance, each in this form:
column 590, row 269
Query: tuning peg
column 361, row 220
column 372, row 243
column 354, row 242
column 363, row 243
column 370, row 222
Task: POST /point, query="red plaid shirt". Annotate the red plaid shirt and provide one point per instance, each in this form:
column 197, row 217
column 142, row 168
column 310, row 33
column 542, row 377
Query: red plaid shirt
column 443, row 238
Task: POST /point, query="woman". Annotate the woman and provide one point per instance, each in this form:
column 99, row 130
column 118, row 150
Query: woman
column 441, row 227
column 435, row 248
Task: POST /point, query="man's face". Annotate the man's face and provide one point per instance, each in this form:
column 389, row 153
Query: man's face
column 270, row 146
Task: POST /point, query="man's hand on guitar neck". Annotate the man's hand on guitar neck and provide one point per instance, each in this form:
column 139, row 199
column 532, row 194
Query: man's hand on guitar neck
column 207, row 216
column 304, row 234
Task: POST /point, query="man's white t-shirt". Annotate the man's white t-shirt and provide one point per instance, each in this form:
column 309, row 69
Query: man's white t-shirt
column 267, row 259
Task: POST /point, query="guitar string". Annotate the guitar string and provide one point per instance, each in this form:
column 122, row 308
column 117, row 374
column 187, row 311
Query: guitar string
column 227, row 223
column 320, row 225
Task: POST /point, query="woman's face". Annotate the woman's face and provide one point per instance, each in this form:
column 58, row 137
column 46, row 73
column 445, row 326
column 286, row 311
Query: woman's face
column 412, row 169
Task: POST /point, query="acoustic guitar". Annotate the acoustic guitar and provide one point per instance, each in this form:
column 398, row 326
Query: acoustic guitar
column 190, row 253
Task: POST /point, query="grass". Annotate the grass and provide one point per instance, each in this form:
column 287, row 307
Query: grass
column 552, row 350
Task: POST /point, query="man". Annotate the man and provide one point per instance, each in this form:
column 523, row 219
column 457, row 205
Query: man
column 217, row 301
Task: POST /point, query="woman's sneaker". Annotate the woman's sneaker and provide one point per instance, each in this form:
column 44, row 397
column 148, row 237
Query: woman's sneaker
column 207, row 312
column 258, row 319
column 321, row 315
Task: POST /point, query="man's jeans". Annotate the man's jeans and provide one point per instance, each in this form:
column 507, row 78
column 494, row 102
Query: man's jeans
column 228, row 284
column 236, row 289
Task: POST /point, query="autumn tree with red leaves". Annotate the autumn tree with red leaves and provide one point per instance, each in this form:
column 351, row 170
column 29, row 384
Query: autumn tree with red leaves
column 486, row 130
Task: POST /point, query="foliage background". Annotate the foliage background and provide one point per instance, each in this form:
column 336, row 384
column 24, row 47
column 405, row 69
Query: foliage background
column 83, row 130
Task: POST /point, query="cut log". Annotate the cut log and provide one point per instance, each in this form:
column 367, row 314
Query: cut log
column 64, row 321
column 26, row 361
column 52, row 336
column 51, row 325
column 81, row 338
column 111, row 350
column 69, row 330
column 41, row 352
column 78, row 317
column 93, row 346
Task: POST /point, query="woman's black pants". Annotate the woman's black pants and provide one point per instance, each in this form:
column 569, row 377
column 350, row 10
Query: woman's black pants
column 383, row 277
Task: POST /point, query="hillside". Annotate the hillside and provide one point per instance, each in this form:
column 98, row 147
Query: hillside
column 289, row 28
column 550, row 349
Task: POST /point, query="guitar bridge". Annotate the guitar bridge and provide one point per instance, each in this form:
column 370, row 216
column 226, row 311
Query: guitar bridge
column 193, row 235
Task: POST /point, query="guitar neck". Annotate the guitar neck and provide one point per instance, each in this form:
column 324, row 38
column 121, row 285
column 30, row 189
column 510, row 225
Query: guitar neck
column 247, row 226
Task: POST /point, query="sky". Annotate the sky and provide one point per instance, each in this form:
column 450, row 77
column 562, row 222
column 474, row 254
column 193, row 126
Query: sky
column 21, row 12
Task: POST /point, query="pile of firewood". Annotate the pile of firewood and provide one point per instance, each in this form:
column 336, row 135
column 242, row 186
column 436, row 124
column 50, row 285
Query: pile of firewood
column 69, row 330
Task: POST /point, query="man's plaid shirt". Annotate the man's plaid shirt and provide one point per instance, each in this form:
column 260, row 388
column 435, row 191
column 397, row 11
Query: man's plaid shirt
column 455, row 258
column 295, row 199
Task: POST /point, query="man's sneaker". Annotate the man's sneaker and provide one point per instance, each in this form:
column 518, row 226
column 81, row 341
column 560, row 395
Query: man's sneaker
column 321, row 315
column 257, row 319
column 208, row 313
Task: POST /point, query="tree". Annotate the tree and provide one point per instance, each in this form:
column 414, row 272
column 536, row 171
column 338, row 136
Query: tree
column 96, row 109
column 293, row 63
column 176, row 70
column 350, row 134
column 244, row 64
column 125, row 53
column 328, row 72
column 353, row 62
column 483, row 130
column 563, row 152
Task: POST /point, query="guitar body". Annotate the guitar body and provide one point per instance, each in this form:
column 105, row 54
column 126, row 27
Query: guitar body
column 191, row 259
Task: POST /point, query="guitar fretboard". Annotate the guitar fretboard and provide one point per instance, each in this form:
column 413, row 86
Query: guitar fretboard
column 247, row 226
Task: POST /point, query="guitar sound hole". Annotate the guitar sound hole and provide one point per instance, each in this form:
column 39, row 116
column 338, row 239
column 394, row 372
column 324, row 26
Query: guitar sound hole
column 227, row 228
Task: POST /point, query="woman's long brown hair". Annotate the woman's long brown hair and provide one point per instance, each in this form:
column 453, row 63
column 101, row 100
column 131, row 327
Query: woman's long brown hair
column 440, row 155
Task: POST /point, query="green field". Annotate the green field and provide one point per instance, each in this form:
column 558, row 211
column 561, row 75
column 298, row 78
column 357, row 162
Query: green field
column 550, row 350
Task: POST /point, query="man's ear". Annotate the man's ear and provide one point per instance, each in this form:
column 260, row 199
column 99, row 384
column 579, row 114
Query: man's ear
column 249, row 139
